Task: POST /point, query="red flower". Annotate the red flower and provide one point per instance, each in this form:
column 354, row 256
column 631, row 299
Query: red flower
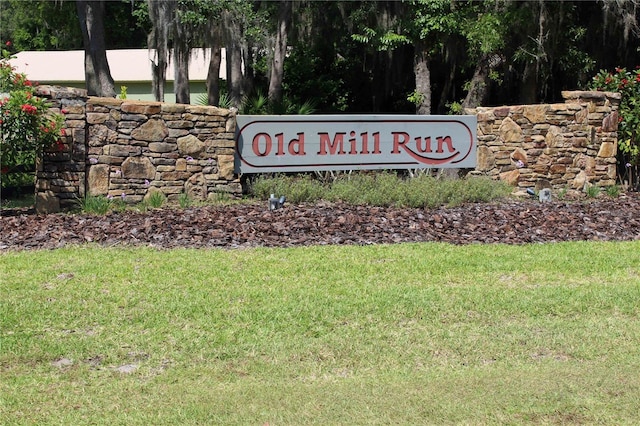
column 29, row 109
column 8, row 43
column 64, row 111
column 63, row 132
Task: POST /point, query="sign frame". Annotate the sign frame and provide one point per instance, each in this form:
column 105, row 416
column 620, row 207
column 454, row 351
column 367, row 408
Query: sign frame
column 299, row 143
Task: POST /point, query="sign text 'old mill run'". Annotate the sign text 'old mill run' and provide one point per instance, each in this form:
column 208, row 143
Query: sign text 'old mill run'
column 295, row 143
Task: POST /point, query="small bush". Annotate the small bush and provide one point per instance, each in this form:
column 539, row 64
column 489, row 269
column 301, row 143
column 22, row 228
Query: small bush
column 95, row 204
column 613, row 191
column 184, row 200
column 156, row 199
column 592, row 191
column 381, row 189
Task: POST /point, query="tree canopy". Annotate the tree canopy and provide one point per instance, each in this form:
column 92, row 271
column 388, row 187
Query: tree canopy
column 429, row 56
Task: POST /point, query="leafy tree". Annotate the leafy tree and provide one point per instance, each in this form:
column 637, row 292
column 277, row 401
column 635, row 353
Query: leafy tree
column 40, row 25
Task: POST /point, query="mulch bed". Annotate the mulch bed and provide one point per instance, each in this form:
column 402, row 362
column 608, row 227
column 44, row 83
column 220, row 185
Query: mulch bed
column 253, row 225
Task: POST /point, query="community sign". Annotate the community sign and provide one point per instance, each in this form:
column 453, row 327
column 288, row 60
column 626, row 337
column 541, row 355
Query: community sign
column 296, row 143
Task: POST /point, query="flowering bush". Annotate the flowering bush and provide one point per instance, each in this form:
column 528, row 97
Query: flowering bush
column 26, row 124
column 627, row 83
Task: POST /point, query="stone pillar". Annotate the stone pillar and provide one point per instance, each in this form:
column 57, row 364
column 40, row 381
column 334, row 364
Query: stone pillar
column 60, row 172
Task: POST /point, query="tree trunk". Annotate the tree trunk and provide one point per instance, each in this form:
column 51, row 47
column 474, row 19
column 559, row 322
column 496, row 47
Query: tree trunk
column 181, row 54
column 423, row 78
column 479, row 85
column 96, row 67
column 280, row 51
column 235, row 79
column 213, row 76
column 161, row 16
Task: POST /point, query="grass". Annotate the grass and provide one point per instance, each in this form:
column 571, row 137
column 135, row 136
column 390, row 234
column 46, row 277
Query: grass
column 401, row 334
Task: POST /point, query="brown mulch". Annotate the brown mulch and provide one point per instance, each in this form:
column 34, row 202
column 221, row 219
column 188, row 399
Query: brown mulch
column 252, row 225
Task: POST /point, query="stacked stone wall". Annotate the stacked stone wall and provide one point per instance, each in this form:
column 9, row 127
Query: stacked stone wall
column 563, row 146
column 130, row 149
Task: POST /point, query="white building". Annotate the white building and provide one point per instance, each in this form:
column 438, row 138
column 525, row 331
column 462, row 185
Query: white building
column 129, row 67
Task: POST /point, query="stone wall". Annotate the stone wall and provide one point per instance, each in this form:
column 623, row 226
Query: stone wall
column 560, row 146
column 126, row 149
column 130, row 149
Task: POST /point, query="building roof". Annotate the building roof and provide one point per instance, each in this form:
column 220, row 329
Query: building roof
column 126, row 65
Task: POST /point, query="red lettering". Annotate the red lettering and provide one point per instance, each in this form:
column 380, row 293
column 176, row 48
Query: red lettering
column 352, row 141
column 376, row 143
column 397, row 143
column 427, row 143
column 327, row 145
column 280, row 139
column 442, row 140
column 365, row 143
column 296, row 146
column 256, row 145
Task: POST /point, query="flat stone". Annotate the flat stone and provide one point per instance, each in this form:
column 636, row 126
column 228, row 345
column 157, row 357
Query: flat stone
column 196, row 187
column 554, row 137
column 226, row 166
column 536, row 113
column 485, row 159
column 511, row 177
column 47, row 202
column 141, row 108
column 138, row 168
column 607, row 150
column 610, row 122
column 98, row 180
column 162, row 147
column 510, row 131
column 190, row 146
column 153, row 130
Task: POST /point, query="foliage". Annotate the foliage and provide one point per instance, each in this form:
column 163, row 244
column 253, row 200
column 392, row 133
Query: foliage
column 184, row 200
column 260, row 104
column 613, row 191
column 592, row 191
column 156, row 199
column 26, row 124
column 381, row 189
column 627, row 83
column 95, row 204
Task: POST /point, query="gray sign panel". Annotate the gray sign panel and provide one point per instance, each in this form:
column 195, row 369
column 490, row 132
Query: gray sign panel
column 294, row 143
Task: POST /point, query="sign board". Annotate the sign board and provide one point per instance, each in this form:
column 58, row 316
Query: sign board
column 295, row 143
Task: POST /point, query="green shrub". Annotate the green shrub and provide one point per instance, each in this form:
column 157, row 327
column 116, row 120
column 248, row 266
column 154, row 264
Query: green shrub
column 613, row 191
column 381, row 189
column 592, row 191
column 95, row 204
column 156, row 199
column 184, row 200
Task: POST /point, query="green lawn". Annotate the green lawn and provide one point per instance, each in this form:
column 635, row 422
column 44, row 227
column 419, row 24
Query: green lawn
column 400, row 334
